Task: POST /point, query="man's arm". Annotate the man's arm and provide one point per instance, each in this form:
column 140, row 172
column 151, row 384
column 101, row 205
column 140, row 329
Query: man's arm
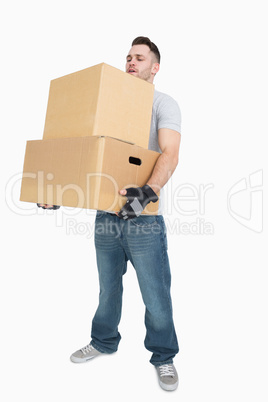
column 138, row 198
column 169, row 143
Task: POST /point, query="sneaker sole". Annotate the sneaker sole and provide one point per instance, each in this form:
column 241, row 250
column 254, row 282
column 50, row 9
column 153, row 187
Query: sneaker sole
column 168, row 387
column 77, row 360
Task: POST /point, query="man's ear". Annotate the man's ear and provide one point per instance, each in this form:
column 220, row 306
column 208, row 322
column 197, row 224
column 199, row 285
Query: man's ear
column 155, row 68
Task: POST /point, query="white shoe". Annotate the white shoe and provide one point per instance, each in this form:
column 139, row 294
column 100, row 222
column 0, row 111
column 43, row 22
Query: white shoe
column 86, row 353
column 167, row 377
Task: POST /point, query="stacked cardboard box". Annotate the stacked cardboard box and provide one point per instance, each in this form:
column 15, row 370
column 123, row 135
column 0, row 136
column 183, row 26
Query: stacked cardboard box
column 94, row 143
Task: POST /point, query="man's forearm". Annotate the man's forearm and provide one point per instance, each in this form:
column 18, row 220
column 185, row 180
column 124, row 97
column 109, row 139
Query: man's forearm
column 163, row 170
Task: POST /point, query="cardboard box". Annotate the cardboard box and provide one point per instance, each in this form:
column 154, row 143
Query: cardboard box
column 100, row 100
column 85, row 172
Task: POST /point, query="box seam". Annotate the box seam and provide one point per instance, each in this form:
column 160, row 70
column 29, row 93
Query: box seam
column 99, row 165
column 95, row 126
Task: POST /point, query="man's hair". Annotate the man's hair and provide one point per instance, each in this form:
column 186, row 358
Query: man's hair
column 143, row 40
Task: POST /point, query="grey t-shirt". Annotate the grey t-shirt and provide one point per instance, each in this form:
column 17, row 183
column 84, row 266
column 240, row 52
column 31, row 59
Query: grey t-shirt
column 166, row 114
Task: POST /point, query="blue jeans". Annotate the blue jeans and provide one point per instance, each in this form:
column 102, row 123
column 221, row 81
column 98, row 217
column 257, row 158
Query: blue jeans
column 143, row 242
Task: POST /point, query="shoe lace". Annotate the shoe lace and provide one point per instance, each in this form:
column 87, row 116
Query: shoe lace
column 87, row 349
column 166, row 370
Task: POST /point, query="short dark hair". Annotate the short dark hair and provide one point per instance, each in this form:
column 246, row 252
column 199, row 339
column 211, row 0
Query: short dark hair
column 143, row 40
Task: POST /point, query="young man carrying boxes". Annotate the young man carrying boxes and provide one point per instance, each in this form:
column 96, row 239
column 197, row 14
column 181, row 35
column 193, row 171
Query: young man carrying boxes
column 128, row 235
column 142, row 239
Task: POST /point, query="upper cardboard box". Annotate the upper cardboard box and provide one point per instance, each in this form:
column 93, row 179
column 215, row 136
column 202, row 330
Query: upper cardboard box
column 100, row 100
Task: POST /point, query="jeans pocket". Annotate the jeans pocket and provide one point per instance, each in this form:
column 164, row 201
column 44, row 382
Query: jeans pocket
column 99, row 214
column 144, row 221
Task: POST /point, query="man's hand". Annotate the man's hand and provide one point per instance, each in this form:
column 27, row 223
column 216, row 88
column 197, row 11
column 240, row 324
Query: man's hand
column 48, row 206
column 137, row 199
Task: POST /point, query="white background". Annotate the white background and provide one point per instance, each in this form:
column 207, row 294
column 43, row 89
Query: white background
column 214, row 63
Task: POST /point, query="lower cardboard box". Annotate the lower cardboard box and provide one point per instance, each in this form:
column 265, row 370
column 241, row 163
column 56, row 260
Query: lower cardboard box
column 85, row 172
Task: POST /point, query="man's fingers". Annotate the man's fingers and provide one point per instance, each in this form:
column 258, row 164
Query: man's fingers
column 46, row 206
column 123, row 192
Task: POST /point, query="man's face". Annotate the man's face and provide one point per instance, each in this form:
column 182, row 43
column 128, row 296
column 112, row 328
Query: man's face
column 141, row 64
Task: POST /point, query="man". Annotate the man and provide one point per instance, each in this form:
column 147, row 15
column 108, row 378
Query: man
column 141, row 239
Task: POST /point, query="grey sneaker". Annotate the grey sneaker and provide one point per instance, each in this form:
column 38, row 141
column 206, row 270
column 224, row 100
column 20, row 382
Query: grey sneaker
column 84, row 354
column 167, row 377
